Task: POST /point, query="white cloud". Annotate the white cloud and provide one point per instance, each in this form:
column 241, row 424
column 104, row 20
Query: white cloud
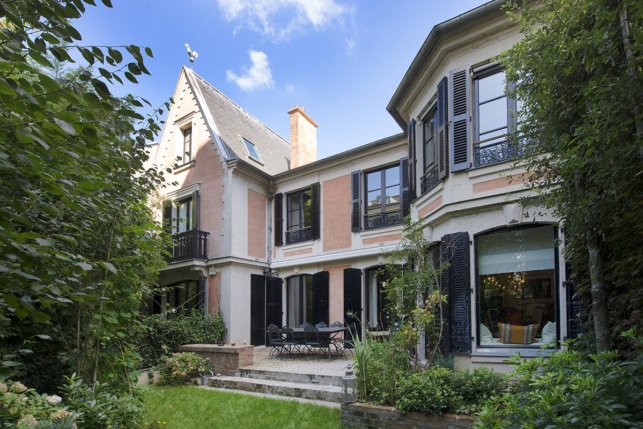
column 267, row 16
column 257, row 76
column 290, row 88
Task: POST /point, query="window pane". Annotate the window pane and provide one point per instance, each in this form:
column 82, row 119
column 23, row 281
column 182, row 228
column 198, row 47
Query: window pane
column 429, row 140
column 373, row 180
column 392, row 176
column 493, row 115
column 491, row 87
column 393, row 195
column 374, row 199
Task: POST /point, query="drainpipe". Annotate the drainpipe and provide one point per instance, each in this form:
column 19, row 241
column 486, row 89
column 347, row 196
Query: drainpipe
column 271, row 197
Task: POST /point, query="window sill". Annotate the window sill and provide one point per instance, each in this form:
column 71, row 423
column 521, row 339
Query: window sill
column 506, row 352
column 185, row 166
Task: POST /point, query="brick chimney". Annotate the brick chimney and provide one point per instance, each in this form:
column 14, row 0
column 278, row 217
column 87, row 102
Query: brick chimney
column 303, row 138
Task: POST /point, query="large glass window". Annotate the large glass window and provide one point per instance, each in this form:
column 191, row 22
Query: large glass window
column 516, row 278
column 376, row 308
column 299, row 206
column 179, row 298
column 183, row 216
column 300, row 300
column 494, row 118
column 383, row 198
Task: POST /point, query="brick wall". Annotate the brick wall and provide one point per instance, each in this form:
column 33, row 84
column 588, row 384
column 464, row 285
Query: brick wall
column 226, row 359
column 370, row 416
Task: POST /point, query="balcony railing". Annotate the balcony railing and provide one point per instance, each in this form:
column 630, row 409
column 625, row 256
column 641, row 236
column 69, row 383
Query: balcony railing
column 430, row 180
column 189, row 245
column 383, row 219
column 299, row 235
column 488, row 154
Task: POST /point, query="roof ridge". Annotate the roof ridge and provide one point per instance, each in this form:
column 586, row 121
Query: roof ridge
column 239, row 107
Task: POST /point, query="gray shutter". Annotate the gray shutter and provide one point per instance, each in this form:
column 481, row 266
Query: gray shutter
column 195, row 210
column 442, row 114
column 320, row 297
column 412, row 157
column 353, row 299
column 167, row 216
column 456, row 284
column 460, row 147
column 355, row 201
column 314, row 207
column 405, row 187
column 274, row 291
column 279, row 219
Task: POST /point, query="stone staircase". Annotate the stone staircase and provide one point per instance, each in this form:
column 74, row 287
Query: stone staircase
column 315, row 379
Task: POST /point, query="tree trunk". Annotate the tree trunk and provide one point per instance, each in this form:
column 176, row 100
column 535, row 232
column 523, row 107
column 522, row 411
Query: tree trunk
column 599, row 293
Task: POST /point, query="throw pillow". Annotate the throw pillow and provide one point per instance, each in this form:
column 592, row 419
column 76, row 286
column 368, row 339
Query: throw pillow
column 517, row 334
column 549, row 333
column 485, row 334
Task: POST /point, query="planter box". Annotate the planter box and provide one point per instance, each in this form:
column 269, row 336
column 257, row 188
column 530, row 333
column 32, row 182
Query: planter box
column 361, row 415
column 226, row 359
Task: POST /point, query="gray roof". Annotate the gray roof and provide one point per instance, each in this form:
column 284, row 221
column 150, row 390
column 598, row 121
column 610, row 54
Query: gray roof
column 234, row 123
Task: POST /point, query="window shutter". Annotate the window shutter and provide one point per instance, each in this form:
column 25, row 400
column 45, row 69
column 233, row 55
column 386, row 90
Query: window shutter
column 355, row 201
column 279, row 220
column 456, row 284
column 576, row 311
column 167, row 216
column 442, row 113
column 274, row 291
column 320, row 297
column 412, row 157
column 315, row 218
column 406, row 188
column 353, row 299
column 459, row 132
column 195, row 210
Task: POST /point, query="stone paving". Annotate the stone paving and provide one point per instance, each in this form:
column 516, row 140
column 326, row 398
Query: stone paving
column 302, row 363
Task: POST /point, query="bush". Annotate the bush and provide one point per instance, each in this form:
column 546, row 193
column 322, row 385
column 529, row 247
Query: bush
column 22, row 407
column 570, row 389
column 440, row 389
column 159, row 335
column 181, row 367
column 388, row 365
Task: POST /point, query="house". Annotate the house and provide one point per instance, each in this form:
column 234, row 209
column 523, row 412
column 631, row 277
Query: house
column 266, row 233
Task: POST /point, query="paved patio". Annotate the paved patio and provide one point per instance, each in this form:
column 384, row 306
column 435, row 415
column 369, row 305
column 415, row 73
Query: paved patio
column 301, row 363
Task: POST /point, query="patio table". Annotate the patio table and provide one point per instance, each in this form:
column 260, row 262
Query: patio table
column 327, row 332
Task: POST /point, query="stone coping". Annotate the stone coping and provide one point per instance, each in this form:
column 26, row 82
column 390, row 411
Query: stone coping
column 214, row 348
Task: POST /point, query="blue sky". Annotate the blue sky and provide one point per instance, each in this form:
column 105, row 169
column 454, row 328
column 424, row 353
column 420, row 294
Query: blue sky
column 341, row 60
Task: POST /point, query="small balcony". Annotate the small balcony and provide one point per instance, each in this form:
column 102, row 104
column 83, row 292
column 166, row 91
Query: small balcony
column 189, row 245
column 489, row 154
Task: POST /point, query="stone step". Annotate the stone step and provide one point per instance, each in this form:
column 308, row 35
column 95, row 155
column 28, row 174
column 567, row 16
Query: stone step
column 294, row 377
column 318, row 392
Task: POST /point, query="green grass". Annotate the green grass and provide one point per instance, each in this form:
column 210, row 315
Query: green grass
column 189, row 407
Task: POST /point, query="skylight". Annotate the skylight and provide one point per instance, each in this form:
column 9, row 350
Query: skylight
column 252, row 150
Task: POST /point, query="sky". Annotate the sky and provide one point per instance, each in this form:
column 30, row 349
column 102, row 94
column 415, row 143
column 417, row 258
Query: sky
column 341, row 60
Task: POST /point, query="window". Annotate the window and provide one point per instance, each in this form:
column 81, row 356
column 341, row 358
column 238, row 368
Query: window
column 187, row 145
column 252, row 150
column 383, row 198
column 377, row 302
column 429, row 131
column 300, row 300
column 516, row 278
column 179, row 298
column 494, row 118
column 299, row 209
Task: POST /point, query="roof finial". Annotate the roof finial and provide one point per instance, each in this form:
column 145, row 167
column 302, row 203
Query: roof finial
column 192, row 54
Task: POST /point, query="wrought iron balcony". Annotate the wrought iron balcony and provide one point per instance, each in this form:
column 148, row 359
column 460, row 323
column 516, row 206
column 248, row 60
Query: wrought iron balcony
column 299, row 235
column 496, row 153
column 430, row 180
column 189, row 245
column 383, row 219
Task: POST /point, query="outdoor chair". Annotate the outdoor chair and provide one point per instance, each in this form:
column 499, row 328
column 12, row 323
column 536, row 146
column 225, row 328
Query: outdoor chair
column 315, row 340
column 290, row 343
column 321, row 325
column 338, row 338
column 275, row 341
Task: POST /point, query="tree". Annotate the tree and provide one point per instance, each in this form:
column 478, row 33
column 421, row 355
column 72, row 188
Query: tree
column 578, row 73
column 78, row 245
column 413, row 293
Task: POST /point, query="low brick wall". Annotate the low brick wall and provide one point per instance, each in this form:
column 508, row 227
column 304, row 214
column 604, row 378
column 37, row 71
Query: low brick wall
column 226, row 359
column 370, row 416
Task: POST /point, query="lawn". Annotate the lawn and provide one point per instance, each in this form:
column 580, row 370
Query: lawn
column 190, row 407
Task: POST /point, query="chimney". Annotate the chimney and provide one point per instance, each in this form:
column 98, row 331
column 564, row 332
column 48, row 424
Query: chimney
column 303, row 138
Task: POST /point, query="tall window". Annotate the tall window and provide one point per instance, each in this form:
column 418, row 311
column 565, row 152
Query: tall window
column 516, row 272
column 183, row 216
column 300, row 300
column 299, row 207
column 376, row 311
column 429, row 133
column 179, row 298
column 494, row 118
column 383, row 203
column 187, row 144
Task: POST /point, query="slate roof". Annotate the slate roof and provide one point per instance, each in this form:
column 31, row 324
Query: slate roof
column 233, row 122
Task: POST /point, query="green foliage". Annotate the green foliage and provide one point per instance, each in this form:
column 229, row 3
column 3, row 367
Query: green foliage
column 23, row 407
column 413, row 291
column 570, row 390
column 388, row 364
column 100, row 408
column 158, row 335
column 179, row 368
column 362, row 352
column 439, row 389
column 579, row 78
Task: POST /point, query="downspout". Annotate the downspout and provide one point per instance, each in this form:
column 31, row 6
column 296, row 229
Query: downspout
column 271, row 197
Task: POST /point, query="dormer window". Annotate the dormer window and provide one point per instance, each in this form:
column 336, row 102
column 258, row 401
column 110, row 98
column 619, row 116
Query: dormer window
column 253, row 152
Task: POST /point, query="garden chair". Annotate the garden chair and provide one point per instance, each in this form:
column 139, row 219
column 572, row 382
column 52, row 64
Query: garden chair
column 275, row 341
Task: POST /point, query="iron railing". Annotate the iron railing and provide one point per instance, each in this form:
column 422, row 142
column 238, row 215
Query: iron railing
column 299, row 235
column 488, row 154
column 189, row 245
column 383, row 219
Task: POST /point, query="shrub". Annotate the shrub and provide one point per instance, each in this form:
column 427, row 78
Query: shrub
column 159, row 335
column 388, row 365
column 181, row 367
column 572, row 390
column 22, row 407
column 440, row 389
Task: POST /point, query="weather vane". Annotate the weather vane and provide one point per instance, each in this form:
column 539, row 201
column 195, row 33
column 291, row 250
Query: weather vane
column 192, row 54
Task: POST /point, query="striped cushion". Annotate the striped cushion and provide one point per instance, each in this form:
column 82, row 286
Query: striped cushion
column 517, row 334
